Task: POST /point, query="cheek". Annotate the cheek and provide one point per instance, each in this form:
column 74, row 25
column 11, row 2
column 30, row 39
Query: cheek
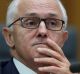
column 23, row 43
column 58, row 38
column 23, row 37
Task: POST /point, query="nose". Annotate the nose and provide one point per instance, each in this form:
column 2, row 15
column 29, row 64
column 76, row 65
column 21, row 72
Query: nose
column 42, row 30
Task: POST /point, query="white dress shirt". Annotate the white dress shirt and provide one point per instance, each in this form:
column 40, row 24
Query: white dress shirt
column 22, row 69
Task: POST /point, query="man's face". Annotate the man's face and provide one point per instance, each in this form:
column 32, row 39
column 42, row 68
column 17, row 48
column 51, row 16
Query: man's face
column 27, row 41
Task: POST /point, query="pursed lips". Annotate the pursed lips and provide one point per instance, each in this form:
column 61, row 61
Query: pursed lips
column 39, row 43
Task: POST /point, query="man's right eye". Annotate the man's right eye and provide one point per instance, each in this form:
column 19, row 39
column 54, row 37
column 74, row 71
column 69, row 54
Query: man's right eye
column 30, row 23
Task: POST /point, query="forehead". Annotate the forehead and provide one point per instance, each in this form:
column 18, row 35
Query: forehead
column 40, row 7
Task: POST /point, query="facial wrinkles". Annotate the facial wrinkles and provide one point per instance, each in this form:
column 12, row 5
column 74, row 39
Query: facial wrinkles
column 40, row 6
column 22, row 33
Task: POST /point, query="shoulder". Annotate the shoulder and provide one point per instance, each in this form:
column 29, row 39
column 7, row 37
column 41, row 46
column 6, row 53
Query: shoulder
column 2, row 65
column 5, row 66
column 8, row 67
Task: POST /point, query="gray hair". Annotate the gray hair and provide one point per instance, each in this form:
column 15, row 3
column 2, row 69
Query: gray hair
column 65, row 17
column 13, row 10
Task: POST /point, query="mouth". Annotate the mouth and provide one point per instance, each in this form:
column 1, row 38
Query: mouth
column 40, row 44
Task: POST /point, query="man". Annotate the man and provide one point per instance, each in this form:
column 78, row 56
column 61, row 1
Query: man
column 36, row 32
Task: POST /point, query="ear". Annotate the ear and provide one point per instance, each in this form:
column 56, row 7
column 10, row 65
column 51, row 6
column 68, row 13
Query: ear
column 64, row 37
column 8, row 36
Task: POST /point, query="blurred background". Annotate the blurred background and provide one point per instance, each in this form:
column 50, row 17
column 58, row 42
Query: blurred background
column 72, row 46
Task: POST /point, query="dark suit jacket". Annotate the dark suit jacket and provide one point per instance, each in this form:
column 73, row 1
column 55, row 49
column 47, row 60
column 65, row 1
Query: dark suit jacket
column 8, row 67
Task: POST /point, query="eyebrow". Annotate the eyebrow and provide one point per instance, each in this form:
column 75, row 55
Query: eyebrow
column 52, row 14
column 31, row 14
column 35, row 14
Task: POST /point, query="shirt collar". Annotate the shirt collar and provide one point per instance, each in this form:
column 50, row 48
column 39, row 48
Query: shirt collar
column 22, row 69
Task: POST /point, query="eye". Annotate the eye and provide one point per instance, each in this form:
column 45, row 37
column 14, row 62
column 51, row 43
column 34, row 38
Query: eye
column 52, row 23
column 30, row 23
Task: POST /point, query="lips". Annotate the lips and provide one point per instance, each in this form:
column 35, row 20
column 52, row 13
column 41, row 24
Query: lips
column 39, row 43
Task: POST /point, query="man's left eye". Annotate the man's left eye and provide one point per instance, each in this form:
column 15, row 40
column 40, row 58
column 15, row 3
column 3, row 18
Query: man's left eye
column 52, row 23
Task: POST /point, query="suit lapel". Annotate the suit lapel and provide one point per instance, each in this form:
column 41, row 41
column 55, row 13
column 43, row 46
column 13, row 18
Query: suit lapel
column 10, row 68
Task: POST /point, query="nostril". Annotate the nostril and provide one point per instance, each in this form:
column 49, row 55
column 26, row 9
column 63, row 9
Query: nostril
column 42, row 36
